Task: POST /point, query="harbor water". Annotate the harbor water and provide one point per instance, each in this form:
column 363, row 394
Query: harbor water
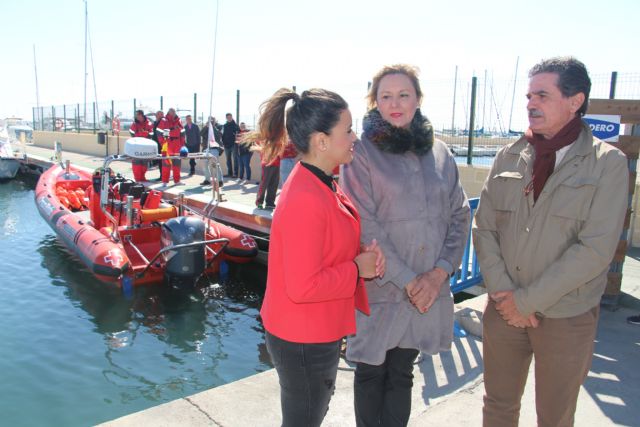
column 76, row 352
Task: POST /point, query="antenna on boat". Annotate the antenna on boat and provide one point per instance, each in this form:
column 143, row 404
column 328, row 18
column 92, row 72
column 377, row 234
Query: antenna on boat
column 86, row 30
column 513, row 96
column 213, row 66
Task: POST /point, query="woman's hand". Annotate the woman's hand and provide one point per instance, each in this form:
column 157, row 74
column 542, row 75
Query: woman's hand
column 425, row 288
column 381, row 262
column 366, row 262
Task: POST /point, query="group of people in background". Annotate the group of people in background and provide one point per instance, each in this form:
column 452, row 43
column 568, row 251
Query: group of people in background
column 175, row 138
column 169, row 133
column 370, row 259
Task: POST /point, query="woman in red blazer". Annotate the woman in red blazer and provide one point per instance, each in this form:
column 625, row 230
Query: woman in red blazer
column 316, row 263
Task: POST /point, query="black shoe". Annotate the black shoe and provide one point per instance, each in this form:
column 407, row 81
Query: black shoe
column 269, row 207
column 220, row 184
column 227, row 176
column 191, row 173
column 634, row 320
column 234, row 176
column 205, row 182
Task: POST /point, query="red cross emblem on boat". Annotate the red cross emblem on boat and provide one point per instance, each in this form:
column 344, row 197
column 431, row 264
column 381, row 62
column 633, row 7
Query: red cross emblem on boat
column 248, row 241
column 114, row 258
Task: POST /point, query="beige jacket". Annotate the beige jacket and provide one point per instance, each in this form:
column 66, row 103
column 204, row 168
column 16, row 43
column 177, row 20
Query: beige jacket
column 555, row 254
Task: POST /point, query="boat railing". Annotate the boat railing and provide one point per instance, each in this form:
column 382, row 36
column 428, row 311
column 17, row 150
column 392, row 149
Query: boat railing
column 212, row 163
column 223, row 241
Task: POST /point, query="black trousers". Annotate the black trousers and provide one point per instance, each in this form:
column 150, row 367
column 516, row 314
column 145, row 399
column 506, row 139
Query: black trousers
column 307, row 374
column 268, row 185
column 192, row 162
column 382, row 393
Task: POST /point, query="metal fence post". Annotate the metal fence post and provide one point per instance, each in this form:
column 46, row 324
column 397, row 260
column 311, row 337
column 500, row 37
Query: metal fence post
column 53, row 118
column 294, row 88
column 78, row 118
column 612, row 86
column 135, row 107
column 195, row 107
column 112, row 116
column 472, row 119
column 64, row 118
column 238, row 105
column 33, row 116
column 161, row 101
column 94, row 118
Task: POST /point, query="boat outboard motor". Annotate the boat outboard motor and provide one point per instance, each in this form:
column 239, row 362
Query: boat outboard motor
column 183, row 265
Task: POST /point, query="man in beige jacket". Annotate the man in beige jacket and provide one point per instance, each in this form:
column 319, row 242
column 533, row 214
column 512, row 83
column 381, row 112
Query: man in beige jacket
column 549, row 220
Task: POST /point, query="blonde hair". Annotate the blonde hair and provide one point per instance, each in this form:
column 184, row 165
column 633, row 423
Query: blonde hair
column 408, row 70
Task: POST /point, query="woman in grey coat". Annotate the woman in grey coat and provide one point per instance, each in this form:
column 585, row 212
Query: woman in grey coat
column 405, row 185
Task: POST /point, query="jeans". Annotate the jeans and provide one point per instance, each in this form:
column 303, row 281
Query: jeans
column 211, row 163
column 307, row 375
column 245, row 164
column 232, row 159
column 286, row 166
column 382, row 393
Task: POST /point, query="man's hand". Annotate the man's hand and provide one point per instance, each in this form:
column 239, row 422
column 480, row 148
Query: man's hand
column 425, row 288
column 506, row 306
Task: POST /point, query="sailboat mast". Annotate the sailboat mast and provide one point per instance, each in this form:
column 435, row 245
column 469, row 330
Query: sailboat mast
column 35, row 69
column 513, row 96
column 213, row 66
column 85, row 60
column 484, row 98
column 453, row 114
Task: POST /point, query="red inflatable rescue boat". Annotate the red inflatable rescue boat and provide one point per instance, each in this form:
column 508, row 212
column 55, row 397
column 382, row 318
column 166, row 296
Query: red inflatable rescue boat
column 128, row 234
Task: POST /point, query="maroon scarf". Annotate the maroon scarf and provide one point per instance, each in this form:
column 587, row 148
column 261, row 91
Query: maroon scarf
column 545, row 149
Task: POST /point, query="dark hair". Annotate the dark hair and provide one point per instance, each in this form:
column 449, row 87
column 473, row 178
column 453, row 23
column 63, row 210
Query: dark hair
column 316, row 110
column 228, row 114
column 573, row 77
column 410, row 71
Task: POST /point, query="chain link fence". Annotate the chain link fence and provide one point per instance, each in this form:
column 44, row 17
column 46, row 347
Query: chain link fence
column 490, row 113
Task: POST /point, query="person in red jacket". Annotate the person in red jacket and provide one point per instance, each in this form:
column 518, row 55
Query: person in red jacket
column 173, row 133
column 141, row 127
column 316, row 263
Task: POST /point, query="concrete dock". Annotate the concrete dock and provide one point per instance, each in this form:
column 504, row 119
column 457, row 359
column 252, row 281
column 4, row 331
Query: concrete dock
column 448, row 387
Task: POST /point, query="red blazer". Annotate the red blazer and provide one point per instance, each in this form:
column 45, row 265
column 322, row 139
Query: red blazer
column 313, row 287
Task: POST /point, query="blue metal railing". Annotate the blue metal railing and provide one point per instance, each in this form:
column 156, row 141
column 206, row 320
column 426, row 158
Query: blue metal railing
column 468, row 274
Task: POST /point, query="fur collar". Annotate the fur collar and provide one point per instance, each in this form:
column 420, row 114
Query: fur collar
column 391, row 139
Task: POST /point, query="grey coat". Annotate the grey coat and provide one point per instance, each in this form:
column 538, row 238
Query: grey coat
column 416, row 209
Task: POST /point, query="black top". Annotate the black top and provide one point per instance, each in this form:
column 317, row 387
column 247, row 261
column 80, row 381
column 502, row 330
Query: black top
column 326, row 179
column 229, row 132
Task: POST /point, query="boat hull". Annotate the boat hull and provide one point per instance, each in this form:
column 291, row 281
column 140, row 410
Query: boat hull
column 9, row 168
column 67, row 202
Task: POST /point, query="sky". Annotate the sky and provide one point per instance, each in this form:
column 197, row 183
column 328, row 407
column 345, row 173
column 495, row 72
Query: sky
column 146, row 49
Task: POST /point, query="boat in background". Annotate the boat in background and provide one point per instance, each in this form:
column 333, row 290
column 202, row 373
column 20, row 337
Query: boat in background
column 130, row 235
column 10, row 157
column 18, row 129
